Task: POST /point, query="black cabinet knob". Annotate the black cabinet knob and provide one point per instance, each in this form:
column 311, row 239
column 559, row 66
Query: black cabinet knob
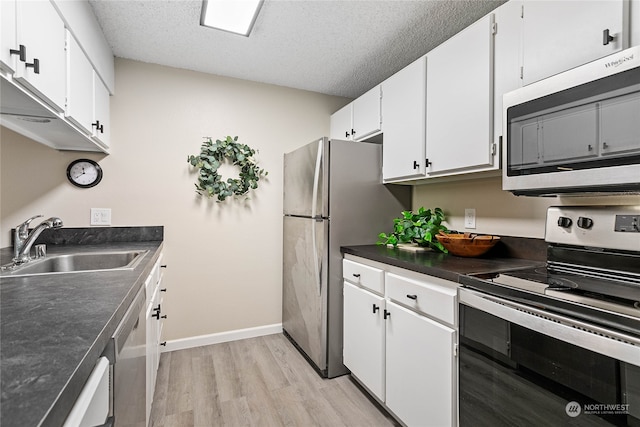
column 585, row 223
column 164, row 343
column 163, row 266
column 413, row 297
column 35, row 65
column 416, row 165
column 387, row 314
column 163, row 290
column 356, row 275
column 346, row 134
column 606, row 37
column 564, row 222
column 21, row 52
column 375, row 308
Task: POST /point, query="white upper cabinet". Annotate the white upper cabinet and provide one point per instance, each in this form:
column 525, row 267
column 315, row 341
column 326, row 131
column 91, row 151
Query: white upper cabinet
column 8, row 39
column 41, row 30
column 460, row 101
column 366, row 114
column 340, row 127
column 101, row 112
column 359, row 120
column 559, row 35
column 79, row 105
column 506, row 60
column 634, row 24
column 403, row 114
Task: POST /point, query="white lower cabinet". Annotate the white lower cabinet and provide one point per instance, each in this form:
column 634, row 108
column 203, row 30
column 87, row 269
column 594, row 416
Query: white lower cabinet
column 155, row 318
column 364, row 331
column 420, row 368
column 400, row 344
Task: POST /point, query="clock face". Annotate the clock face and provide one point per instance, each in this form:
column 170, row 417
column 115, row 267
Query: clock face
column 84, row 173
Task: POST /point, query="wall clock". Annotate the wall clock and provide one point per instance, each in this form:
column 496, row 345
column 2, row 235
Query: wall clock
column 84, row 173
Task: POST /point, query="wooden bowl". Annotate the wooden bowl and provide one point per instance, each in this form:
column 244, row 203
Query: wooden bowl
column 467, row 244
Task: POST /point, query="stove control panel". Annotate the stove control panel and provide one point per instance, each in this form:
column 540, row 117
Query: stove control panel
column 627, row 223
column 607, row 227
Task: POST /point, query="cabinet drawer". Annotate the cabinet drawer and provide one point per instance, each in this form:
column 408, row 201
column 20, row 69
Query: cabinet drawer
column 363, row 275
column 436, row 301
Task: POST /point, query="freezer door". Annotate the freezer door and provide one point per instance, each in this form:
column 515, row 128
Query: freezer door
column 304, row 306
column 306, row 180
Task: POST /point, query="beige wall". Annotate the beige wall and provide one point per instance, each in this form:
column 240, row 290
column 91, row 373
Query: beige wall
column 499, row 212
column 224, row 259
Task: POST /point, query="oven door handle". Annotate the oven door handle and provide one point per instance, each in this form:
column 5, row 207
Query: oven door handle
column 601, row 340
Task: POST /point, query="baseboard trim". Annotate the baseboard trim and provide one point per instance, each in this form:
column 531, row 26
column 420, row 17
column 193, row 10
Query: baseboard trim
column 239, row 334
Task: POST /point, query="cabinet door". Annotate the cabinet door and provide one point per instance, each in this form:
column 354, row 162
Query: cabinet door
column 403, row 112
column 101, row 112
column 363, row 348
column 366, row 114
column 8, row 39
column 420, row 369
column 460, row 100
column 79, row 105
column 620, row 125
column 559, row 35
column 341, row 123
column 42, row 31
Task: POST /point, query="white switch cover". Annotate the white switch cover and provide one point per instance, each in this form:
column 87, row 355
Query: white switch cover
column 470, row 218
column 100, row 216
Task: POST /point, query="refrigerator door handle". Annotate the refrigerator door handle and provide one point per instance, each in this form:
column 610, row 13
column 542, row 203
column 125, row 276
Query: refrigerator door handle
column 316, row 262
column 316, row 179
column 314, row 207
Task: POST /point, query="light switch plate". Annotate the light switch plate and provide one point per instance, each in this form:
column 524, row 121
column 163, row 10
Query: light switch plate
column 470, row 218
column 100, row 216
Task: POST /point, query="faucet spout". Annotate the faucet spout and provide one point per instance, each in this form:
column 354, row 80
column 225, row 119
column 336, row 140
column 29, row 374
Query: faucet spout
column 23, row 240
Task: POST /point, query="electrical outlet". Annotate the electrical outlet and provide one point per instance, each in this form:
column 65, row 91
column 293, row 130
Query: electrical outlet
column 100, row 216
column 470, row 218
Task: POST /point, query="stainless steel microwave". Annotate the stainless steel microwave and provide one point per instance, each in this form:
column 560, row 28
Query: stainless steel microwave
column 577, row 131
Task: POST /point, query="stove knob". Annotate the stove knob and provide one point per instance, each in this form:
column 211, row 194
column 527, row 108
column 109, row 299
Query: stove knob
column 564, row 222
column 585, row 223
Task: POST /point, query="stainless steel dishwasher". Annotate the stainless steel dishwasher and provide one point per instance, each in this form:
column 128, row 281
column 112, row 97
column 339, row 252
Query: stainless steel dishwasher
column 129, row 369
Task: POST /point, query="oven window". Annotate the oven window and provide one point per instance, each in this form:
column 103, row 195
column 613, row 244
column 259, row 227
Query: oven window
column 596, row 124
column 510, row 375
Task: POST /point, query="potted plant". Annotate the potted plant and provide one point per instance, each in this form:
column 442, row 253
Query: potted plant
column 419, row 228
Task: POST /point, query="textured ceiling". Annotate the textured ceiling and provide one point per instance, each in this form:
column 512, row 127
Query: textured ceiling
column 334, row 47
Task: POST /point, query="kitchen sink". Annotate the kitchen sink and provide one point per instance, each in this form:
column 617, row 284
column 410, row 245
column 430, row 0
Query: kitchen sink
column 76, row 263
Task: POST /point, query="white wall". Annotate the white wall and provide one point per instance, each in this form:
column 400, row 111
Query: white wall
column 499, row 212
column 224, row 259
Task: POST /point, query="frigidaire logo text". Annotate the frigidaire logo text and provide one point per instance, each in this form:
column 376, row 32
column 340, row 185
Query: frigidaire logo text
column 619, row 61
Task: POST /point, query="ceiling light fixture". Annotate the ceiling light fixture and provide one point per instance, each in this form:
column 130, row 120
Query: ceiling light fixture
column 235, row 16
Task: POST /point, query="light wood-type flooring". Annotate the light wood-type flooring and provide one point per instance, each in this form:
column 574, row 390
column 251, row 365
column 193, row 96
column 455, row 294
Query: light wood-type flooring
column 260, row 381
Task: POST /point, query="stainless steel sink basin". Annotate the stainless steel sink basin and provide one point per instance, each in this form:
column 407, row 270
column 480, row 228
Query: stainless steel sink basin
column 75, row 263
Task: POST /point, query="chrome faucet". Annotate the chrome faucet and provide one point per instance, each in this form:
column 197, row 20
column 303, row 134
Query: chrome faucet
column 23, row 240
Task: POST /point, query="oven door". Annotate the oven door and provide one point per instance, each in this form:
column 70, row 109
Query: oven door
column 522, row 366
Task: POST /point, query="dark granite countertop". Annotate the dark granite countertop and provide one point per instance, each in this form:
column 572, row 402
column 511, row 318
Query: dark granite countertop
column 55, row 327
column 451, row 267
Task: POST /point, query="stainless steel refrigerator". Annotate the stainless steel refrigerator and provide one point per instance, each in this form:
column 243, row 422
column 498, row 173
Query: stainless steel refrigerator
column 333, row 197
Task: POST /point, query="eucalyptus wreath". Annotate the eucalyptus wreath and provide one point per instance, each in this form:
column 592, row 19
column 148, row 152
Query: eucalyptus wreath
column 213, row 155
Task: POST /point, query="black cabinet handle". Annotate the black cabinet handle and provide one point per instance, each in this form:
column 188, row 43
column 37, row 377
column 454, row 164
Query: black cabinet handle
column 21, row 52
column 346, row 134
column 163, row 290
column 416, row 165
column 163, row 343
column 163, row 266
column 357, row 275
column 386, row 314
column 375, row 308
column 353, row 132
column 163, row 317
column 35, row 65
column 98, row 126
column 606, row 37
column 413, row 297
